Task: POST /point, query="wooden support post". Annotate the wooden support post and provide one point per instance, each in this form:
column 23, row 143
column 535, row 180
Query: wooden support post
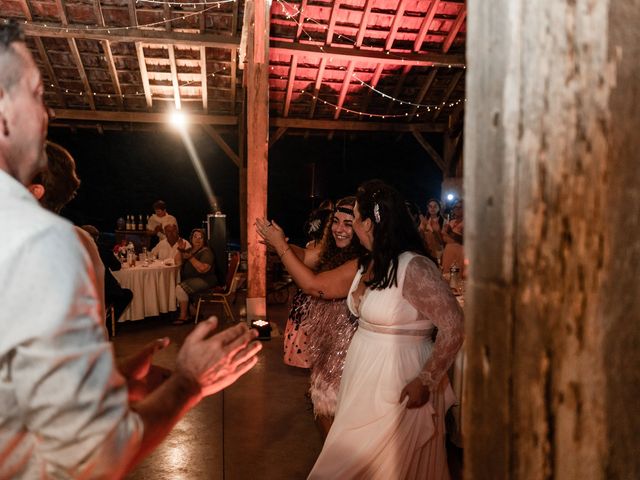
column 553, row 240
column 257, row 156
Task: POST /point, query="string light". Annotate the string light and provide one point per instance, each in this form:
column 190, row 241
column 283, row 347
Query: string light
column 285, row 6
column 89, row 28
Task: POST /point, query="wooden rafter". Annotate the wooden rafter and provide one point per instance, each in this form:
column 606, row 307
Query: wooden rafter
column 363, row 23
column 344, row 89
column 303, row 7
column 172, row 59
column 291, row 80
column 108, row 55
column 398, row 88
column 423, row 92
column 133, row 35
column 455, row 28
column 222, row 144
column 204, row 85
column 332, row 21
column 305, row 123
column 142, row 64
column 346, row 53
column 435, row 156
column 26, row 10
column 397, row 21
column 276, row 136
column 424, row 26
column 316, row 87
column 373, row 83
column 450, row 88
column 139, row 117
column 75, row 53
column 234, row 78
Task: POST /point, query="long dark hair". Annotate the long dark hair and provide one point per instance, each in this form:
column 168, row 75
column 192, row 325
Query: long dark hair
column 331, row 256
column 394, row 231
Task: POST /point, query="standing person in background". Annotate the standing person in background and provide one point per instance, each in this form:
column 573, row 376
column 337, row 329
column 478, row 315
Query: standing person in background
column 431, row 229
column 65, row 407
column 394, row 392
column 453, row 237
column 160, row 219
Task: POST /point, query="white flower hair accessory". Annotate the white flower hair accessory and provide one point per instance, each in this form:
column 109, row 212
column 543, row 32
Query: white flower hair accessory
column 376, row 212
column 314, row 226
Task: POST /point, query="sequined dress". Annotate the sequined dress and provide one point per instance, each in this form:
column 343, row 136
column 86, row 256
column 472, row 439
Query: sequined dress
column 374, row 435
column 295, row 337
column 330, row 327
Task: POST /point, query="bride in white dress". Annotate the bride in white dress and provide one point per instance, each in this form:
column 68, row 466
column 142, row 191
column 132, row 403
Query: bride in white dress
column 394, row 393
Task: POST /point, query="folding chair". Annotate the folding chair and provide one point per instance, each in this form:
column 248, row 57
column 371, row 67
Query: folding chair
column 221, row 294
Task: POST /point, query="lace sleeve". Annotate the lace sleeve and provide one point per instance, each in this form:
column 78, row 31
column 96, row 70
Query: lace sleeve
column 427, row 292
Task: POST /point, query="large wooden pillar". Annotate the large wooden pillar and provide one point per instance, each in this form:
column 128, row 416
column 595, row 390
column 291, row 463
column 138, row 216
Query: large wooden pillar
column 553, row 237
column 257, row 153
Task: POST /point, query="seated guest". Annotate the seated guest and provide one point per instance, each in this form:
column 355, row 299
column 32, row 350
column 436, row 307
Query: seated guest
column 197, row 272
column 114, row 294
column 168, row 248
column 160, row 219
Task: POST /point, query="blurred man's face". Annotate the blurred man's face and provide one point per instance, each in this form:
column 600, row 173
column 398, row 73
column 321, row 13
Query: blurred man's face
column 26, row 120
column 160, row 213
column 171, row 231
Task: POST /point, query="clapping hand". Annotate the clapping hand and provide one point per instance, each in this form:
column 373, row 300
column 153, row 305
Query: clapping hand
column 270, row 232
column 417, row 394
column 216, row 361
column 142, row 377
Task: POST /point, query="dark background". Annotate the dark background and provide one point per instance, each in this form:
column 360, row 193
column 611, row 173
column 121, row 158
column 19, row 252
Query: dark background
column 125, row 172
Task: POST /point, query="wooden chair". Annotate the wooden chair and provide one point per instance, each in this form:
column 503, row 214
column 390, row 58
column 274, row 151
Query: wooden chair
column 221, row 294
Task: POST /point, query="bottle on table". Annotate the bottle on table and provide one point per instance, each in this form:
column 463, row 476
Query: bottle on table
column 140, row 226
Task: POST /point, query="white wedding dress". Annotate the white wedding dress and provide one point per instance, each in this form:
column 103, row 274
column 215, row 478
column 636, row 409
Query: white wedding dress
column 374, row 436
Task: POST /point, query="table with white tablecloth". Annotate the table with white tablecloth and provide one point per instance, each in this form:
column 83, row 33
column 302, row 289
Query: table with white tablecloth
column 153, row 287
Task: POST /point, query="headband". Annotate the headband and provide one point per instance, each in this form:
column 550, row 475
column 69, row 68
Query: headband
column 347, row 210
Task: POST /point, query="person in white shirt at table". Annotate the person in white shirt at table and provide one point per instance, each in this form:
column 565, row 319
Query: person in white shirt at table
column 66, row 410
column 160, row 219
column 168, row 248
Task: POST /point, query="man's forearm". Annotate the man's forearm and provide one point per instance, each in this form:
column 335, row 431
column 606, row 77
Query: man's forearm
column 162, row 409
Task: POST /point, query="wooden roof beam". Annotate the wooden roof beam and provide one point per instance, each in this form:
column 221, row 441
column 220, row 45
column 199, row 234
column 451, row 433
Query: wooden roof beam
column 133, row 35
column 304, row 123
column 75, row 53
column 142, row 64
column 172, row 59
column 204, row 86
column 346, row 53
column 455, row 28
column 291, row 80
column 423, row 92
column 345, row 88
column 276, row 136
column 140, row 117
column 26, row 10
column 397, row 21
column 363, row 23
column 108, row 54
column 373, row 83
column 426, row 23
column 435, row 156
column 222, row 144
column 316, row 87
column 303, row 6
column 332, row 21
column 448, row 92
column 398, row 88
column 234, row 79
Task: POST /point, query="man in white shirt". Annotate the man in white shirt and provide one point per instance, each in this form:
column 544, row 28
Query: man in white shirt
column 160, row 219
column 168, row 248
column 64, row 407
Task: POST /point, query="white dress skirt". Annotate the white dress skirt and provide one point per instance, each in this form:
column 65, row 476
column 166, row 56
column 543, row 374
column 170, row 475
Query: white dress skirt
column 374, row 436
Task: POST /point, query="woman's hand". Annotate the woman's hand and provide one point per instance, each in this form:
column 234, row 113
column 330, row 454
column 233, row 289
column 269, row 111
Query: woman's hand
column 271, row 233
column 417, row 393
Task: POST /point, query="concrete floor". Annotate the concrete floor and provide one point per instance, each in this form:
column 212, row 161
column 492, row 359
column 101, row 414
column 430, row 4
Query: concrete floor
column 261, row 427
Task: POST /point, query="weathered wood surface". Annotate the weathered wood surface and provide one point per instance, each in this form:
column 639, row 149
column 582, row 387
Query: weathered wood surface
column 553, row 239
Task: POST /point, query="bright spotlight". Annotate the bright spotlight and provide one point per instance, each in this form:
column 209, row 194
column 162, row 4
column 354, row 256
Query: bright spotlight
column 450, row 196
column 178, row 120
